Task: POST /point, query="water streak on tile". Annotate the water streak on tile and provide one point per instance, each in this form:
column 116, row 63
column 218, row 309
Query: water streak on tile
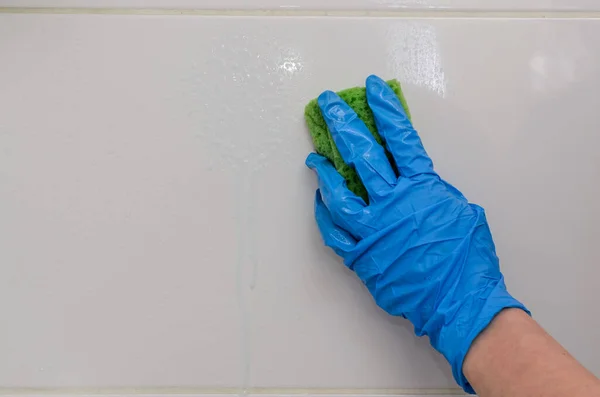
column 414, row 55
column 258, row 69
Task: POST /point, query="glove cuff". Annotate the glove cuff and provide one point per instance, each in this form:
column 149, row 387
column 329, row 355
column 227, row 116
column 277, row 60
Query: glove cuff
column 466, row 326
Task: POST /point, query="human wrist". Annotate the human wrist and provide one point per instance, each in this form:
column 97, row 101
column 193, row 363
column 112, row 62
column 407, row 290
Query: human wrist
column 500, row 329
column 473, row 315
column 514, row 356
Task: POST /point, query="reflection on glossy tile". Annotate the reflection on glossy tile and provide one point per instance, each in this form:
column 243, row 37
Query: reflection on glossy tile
column 157, row 223
column 553, row 69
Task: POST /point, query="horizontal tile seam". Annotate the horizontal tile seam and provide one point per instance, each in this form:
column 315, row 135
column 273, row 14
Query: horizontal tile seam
column 174, row 391
column 221, row 395
column 210, row 394
column 396, row 13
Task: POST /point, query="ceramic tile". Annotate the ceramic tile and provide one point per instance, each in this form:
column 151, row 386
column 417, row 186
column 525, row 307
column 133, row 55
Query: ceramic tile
column 381, row 5
column 157, row 223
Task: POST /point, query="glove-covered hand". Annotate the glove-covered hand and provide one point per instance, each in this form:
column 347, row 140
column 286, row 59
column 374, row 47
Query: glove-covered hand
column 423, row 251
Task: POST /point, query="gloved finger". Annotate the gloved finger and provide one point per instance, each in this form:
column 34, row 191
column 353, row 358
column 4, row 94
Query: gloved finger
column 356, row 145
column 335, row 237
column 397, row 131
column 343, row 205
column 334, row 190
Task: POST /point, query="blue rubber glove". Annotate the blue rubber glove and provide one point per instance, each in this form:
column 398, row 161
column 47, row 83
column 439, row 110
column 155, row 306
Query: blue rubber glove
column 423, row 251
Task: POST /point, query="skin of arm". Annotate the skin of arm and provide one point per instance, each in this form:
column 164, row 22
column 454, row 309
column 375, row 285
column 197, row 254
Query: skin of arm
column 515, row 357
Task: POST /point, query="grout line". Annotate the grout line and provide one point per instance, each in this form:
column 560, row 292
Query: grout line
column 175, row 391
column 397, row 13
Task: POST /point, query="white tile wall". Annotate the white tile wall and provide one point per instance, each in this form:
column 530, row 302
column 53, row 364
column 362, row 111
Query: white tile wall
column 157, row 224
column 382, row 5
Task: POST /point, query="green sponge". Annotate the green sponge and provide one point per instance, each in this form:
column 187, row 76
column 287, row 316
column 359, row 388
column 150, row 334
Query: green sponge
column 357, row 99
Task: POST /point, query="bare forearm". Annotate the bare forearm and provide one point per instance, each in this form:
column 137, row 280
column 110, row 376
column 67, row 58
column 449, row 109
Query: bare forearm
column 515, row 357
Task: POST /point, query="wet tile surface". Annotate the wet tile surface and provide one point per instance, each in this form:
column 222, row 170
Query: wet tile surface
column 157, row 217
